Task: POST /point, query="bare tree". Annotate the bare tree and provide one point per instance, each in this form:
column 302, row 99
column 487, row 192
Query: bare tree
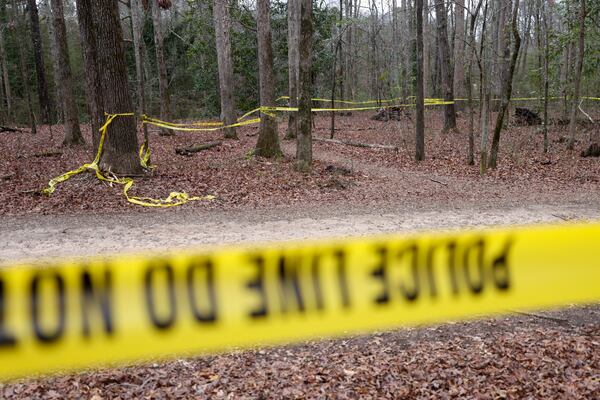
column 459, row 47
column 446, row 66
column 5, row 76
column 44, row 98
column 293, row 17
column 507, row 82
column 267, row 144
column 577, row 79
column 137, row 26
column 468, row 85
column 304, row 145
column 163, row 78
column 73, row 134
column 420, row 126
column 222, row 33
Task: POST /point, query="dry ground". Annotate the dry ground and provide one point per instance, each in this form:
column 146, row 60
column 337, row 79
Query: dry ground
column 539, row 355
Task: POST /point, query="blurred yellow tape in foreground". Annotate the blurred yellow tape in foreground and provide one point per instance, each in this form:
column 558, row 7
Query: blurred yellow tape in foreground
column 70, row 315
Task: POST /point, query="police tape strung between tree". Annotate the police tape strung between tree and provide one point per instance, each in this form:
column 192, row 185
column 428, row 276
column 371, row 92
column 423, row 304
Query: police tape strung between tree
column 78, row 314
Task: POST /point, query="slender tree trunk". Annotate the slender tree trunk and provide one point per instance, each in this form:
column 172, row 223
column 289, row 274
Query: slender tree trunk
column 137, row 27
column 222, row 32
column 72, row 131
column 44, row 99
column 304, row 147
column 120, row 153
column 93, row 85
column 546, row 73
column 163, row 79
column 446, row 66
column 5, row 76
column 577, row 79
column 507, row 92
column 484, row 92
column 420, row 126
column 459, row 46
column 468, row 84
column 21, row 61
column 267, row 144
column 293, row 17
column 54, row 56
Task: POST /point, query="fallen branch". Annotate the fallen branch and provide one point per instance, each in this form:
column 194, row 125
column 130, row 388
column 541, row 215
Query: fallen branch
column 436, row 181
column 188, row 151
column 356, row 144
column 6, row 177
column 48, row 154
column 584, row 113
column 9, row 129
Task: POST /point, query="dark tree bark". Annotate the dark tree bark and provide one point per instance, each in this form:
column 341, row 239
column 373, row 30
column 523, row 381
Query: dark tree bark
column 267, row 144
column 93, row 85
column 72, row 131
column 420, row 126
column 459, row 47
column 507, row 88
column 304, row 146
column 578, row 69
column 5, row 76
column 293, row 59
column 163, row 78
column 45, row 101
column 222, row 32
column 120, row 153
column 446, row 66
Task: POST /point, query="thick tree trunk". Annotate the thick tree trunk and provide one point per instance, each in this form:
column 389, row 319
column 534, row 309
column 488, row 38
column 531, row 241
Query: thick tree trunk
column 293, row 18
column 71, row 123
column 507, row 84
column 137, row 26
column 577, row 79
column 304, row 146
column 459, row 47
column 267, row 144
column 420, row 126
column 120, row 153
column 163, row 79
column 45, row 101
column 446, row 66
column 21, row 63
column 222, row 32
column 93, row 85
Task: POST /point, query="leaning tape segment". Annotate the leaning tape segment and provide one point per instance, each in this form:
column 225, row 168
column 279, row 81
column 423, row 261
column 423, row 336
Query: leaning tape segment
column 62, row 316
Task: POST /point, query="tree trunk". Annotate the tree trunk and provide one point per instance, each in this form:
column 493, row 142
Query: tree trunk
column 137, row 27
column 507, row 89
column 469, row 86
column 21, row 62
column 420, row 126
column 93, row 85
column 54, row 56
column 484, row 92
column 267, row 144
column 222, row 32
column 304, row 146
column 44, row 99
column 459, row 46
column 293, row 18
column 577, row 80
column 163, row 80
column 120, row 153
column 72, row 131
column 446, row 67
column 5, row 77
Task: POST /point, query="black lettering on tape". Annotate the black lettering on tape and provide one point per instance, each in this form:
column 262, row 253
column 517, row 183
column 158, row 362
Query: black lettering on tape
column 92, row 291
column 474, row 275
column 316, row 281
column 204, row 270
column 258, row 284
column 452, row 267
column 44, row 334
column 340, row 257
column 410, row 292
column 500, row 270
column 164, row 268
column 430, row 275
column 7, row 339
column 289, row 282
column 380, row 273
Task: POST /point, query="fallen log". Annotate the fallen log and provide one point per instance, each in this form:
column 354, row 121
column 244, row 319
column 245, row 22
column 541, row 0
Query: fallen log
column 357, row 144
column 9, row 129
column 188, row 151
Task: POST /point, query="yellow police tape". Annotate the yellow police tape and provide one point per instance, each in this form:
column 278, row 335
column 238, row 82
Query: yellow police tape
column 62, row 316
column 174, row 198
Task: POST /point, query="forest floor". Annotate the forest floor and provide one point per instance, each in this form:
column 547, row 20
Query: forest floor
column 352, row 191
